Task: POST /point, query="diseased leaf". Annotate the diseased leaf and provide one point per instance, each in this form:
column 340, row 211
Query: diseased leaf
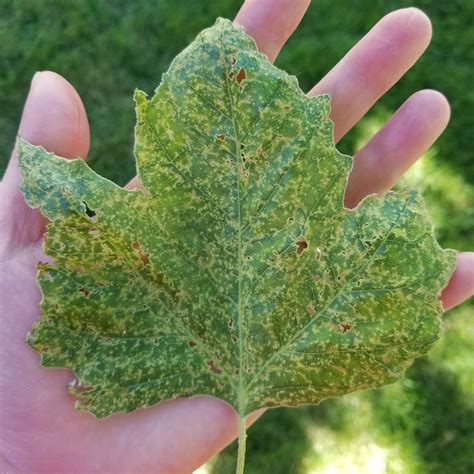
column 237, row 273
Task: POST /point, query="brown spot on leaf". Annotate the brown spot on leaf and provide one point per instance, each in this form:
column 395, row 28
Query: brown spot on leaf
column 311, row 310
column 144, row 257
column 213, row 367
column 231, row 75
column 84, row 291
column 301, row 245
column 192, row 344
column 241, row 76
column 220, row 137
column 345, row 327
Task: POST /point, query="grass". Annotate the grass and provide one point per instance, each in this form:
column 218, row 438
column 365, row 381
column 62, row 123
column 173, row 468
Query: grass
column 422, row 424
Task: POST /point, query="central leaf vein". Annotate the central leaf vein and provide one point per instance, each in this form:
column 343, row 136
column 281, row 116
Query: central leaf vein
column 237, row 162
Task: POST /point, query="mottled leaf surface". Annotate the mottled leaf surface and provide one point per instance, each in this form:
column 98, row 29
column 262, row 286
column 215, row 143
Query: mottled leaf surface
column 237, row 272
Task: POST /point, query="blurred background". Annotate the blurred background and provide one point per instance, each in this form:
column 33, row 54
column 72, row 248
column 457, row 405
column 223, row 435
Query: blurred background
column 421, row 424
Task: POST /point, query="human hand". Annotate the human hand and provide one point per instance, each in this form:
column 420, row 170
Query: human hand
column 41, row 431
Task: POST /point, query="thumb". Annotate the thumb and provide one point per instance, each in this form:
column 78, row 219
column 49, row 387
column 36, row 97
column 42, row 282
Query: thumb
column 53, row 117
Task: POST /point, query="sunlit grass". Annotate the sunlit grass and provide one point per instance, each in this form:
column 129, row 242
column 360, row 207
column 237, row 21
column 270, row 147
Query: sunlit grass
column 360, row 447
column 455, row 353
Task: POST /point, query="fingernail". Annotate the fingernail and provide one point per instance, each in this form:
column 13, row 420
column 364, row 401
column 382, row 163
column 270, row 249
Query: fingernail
column 34, row 79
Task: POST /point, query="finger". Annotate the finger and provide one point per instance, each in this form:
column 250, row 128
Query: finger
column 134, row 183
column 271, row 22
column 461, row 284
column 374, row 65
column 408, row 134
column 54, row 117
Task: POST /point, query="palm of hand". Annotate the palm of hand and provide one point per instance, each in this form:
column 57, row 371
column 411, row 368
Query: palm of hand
column 43, row 433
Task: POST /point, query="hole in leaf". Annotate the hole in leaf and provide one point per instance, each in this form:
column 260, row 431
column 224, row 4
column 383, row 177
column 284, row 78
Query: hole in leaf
column 76, row 387
column 241, row 76
column 90, row 213
column 84, row 291
column 220, row 137
column 231, row 75
column 301, row 245
column 192, row 344
column 345, row 327
column 213, row 367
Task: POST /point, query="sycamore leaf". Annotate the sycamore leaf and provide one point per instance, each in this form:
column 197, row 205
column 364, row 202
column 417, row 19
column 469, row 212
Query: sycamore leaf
column 237, row 272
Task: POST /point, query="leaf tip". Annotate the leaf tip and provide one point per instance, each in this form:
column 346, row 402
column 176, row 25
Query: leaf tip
column 141, row 104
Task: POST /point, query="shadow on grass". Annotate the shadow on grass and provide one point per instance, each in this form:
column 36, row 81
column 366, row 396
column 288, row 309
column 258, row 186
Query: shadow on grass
column 445, row 434
column 439, row 419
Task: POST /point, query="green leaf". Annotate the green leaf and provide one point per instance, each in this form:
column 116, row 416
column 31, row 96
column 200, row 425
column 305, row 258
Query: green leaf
column 238, row 272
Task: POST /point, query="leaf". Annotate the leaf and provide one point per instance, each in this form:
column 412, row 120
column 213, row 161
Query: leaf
column 238, row 272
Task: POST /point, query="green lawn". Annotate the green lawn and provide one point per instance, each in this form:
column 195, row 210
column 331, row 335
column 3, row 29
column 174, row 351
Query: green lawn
column 422, row 424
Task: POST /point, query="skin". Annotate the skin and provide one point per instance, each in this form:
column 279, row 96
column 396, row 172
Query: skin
column 41, row 432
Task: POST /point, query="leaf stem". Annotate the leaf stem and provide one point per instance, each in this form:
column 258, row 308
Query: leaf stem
column 242, row 444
